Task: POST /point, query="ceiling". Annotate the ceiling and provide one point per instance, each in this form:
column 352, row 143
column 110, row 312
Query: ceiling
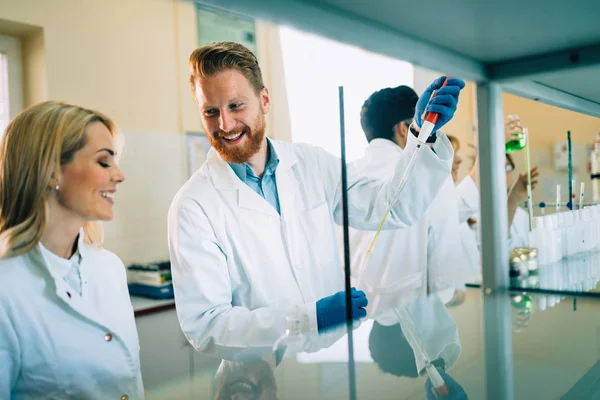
column 487, row 31
column 584, row 82
column 464, row 38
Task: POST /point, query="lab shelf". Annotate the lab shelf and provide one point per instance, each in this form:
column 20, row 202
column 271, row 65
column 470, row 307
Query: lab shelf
column 547, row 51
column 544, row 50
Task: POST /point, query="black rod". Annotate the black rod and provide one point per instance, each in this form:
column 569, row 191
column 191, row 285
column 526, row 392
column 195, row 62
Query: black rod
column 570, row 203
column 347, row 271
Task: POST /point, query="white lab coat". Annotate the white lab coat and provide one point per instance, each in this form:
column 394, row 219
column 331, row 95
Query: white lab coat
column 468, row 206
column 468, row 199
column 429, row 329
column 406, row 263
column 239, row 268
column 54, row 343
column 518, row 234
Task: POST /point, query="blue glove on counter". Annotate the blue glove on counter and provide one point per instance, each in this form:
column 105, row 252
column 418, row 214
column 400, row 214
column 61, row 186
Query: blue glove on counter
column 444, row 102
column 455, row 391
column 331, row 311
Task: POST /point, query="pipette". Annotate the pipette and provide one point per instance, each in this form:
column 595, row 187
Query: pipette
column 429, row 121
column 528, row 166
column 573, row 195
column 557, row 198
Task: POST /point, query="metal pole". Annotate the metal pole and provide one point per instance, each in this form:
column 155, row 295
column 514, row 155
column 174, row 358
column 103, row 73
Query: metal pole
column 569, row 151
column 494, row 241
column 351, row 365
column 493, row 193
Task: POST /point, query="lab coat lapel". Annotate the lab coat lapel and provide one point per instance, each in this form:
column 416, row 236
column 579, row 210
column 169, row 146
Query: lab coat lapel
column 72, row 299
column 225, row 180
column 250, row 200
column 287, row 184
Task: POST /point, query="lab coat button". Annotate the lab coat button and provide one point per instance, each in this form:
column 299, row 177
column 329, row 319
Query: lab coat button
column 124, row 397
column 108, row 337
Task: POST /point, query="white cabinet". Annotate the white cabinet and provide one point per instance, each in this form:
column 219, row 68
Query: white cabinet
column 171, row 367
column 165, row 354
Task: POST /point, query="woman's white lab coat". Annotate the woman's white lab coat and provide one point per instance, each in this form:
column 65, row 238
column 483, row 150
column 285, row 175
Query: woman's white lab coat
column 518, row 233
column 407, row 263
column 239, row 268
column 468, row 206
column 56, row 344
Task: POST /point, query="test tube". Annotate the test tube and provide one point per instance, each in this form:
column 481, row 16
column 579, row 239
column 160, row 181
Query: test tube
column 573, row 198
column 558, row 198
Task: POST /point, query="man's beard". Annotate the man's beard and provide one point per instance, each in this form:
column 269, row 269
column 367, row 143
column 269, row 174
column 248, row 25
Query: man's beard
column 241, row 153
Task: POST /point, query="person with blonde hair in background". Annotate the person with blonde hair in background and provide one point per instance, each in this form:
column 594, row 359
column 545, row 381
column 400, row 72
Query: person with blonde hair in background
column 467, row 200
column 468, row 203
column 66, row 322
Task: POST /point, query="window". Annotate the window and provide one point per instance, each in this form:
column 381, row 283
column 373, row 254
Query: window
column 314, row 67
column 216, row 25
column 4, row 107
column 11, row 92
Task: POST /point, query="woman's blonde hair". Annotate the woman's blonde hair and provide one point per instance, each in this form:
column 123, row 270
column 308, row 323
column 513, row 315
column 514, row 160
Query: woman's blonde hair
column 454, row 142
column 36, row 143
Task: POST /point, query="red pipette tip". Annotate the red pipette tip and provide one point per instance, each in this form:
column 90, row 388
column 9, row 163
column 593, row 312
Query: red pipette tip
column 431, row 116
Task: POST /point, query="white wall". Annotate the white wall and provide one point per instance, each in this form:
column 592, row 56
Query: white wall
column 129, row 59
column 155, row 167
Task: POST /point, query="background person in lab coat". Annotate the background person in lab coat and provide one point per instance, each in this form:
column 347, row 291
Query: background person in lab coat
column 426, row 257
column 251, row 234
column 468, row 212
column 467, row 188
column 468, row 206
column 518, row 217
column 66, row 323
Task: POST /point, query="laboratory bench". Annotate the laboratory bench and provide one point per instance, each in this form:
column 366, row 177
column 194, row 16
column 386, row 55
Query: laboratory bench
column 555, row 340
column 168, row 361
column 145, row 305
column 578, row 274
column 554, row 353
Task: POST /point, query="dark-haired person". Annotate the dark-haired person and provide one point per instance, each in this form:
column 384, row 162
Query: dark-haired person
column 424, row 258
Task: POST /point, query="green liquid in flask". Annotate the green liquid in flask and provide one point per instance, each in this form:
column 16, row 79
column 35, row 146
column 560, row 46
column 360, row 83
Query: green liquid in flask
column 516, row 144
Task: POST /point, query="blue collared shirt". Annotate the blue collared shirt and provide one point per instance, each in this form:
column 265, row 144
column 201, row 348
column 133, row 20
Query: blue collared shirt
column 266, row 186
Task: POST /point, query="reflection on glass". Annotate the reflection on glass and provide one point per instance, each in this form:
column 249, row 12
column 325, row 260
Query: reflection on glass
column 521, row 310
column 418, row 338
column 245, row 381
column 578, row 273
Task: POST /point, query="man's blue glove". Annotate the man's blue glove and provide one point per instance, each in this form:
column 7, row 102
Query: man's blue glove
column 331, row 311
column 453, row 390
column 444, row 102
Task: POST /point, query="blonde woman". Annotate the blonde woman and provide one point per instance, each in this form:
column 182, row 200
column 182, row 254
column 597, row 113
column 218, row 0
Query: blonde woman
column 66, row 323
